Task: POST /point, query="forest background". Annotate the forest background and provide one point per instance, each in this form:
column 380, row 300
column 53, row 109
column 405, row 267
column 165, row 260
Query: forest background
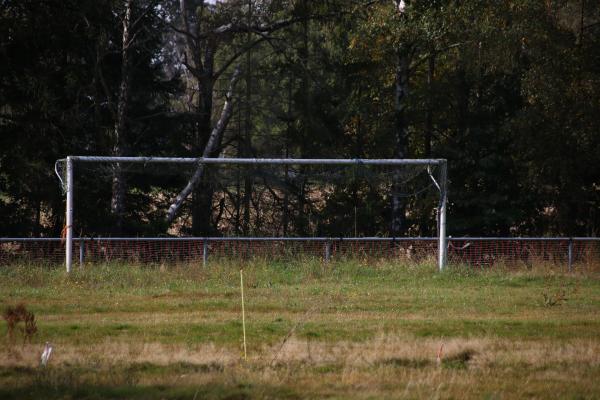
column 507, row 91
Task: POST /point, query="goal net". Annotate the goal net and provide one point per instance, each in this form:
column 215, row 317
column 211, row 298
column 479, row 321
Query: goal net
column 137, row 208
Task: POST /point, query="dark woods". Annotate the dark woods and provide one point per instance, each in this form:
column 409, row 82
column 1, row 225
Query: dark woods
column 508, row 92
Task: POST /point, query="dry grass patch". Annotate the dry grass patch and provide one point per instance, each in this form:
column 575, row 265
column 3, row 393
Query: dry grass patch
column 383, row 350
column 115, row 352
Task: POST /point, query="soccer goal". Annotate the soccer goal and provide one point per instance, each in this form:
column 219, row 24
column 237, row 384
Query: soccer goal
column 141, row 208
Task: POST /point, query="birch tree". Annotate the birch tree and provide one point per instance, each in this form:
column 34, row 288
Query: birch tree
column 117, row 204
column 407, row 34
column 401, row 81
column 133, row 35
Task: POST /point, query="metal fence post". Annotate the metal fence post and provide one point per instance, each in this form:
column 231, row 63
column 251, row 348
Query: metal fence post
column 204, row 252
column 327, row 251
column 570, row 256
column 81, row 252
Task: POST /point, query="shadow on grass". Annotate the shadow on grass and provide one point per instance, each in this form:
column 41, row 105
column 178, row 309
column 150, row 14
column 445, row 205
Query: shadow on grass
column 83, row 390
column 459, row 360
column 238, row 392
column 123, row 382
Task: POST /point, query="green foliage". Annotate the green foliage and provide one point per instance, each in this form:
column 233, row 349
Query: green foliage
column 507, row 91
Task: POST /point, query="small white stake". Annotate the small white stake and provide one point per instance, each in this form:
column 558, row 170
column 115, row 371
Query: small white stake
column 46, row 354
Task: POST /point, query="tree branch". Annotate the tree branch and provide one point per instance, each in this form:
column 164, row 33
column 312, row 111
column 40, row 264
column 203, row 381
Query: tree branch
column 236, row 56
column 213, row 141
column 183, row 32
column 425, row 57
column 142, row 15
column 260, row 28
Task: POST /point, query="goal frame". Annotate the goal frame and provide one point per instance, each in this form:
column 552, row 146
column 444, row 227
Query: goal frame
column 440, row 183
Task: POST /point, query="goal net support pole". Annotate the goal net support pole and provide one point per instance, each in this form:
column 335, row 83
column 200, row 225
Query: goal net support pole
column 69, row 217
column 442, row 185
column 442, row 245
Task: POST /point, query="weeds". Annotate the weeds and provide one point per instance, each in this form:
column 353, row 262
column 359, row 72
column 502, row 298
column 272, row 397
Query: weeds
column 560, row 295
column 553, row 299
column 18, row 318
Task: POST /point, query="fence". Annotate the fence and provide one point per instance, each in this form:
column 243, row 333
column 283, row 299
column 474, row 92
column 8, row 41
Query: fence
column 477, row 252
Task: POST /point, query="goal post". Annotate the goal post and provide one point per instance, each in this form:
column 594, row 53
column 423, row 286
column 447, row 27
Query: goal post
column 443, row 189
column 439, row 181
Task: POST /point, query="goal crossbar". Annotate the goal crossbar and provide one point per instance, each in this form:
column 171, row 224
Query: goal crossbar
column 440, row 183
column 263, row 161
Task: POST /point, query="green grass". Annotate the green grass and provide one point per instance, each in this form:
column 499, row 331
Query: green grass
column 340, row 330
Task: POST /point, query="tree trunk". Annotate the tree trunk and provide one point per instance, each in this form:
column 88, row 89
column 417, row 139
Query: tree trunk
column 202, row 194
column 209, row 150
column 401, row 140
column 238, row 179
column 202, row 197
column 286, row 196
column 302, row 224
column 429, row 116
column 119, row 185
column 37, row 227
column 247, row 144
column 424, row 228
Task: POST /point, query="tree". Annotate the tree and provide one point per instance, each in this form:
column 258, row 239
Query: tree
column 119, row 145
column 207, row 29
column 405, row 35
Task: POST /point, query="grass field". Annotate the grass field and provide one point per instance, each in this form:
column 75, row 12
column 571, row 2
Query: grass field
column 340, row 330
